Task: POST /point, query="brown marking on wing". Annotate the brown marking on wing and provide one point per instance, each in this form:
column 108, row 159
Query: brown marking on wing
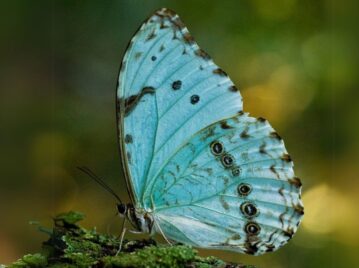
column 286, row 157
column 295, row 182
column 244, row 134
column 225, row 125
column 289, row 233
column 220, row 72
column 270, row 248
column 275, row 135
column 188, row 38
column 138, row 55
column 133, row 100
column 299, row 209
column 280, row 191
column 151, row 36
column 262, row 148
column 272, row 168
column 261, row 119
column 251, row 248
column 224, row 204
column 201, row 53
column 281, row 217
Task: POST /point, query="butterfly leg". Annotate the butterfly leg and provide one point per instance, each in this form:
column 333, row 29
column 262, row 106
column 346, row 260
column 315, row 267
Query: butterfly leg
column 122, row 236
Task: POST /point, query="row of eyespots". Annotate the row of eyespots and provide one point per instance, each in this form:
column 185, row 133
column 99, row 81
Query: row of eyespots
column 227, row 160
column 248, row 209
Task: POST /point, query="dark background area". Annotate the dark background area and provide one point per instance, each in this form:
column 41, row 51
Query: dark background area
column 294, row 61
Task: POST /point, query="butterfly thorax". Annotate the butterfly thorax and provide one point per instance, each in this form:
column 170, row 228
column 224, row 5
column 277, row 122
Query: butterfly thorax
column 140, row 219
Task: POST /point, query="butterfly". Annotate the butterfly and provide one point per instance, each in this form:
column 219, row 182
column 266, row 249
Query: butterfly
column 198, row 169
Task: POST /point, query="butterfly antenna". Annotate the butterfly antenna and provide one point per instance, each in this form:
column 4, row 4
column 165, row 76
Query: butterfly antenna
column 100, row 182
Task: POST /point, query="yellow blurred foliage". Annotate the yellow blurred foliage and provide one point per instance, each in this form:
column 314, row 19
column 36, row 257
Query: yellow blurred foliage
column 328, row 211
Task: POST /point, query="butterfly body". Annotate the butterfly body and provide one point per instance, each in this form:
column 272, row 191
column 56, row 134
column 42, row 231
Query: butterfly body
column 199, row 170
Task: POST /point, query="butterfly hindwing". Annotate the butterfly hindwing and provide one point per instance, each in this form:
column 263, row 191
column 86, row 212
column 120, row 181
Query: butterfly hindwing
column 168, row 90
column 232, row 187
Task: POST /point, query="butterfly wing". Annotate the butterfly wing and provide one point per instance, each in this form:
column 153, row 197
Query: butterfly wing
column 168, row 89
column 232, row 186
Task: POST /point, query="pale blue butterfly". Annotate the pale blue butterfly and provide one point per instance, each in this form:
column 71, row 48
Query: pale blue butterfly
column 198, row 170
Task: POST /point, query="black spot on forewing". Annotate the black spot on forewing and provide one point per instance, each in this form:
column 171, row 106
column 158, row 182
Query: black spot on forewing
column 194, row 99
column 133, row 100
column 176, row 84
column 153, row 58
column 128, row 138
column 162, row 48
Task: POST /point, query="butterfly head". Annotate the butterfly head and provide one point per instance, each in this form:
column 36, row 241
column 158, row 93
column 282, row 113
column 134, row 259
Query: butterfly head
column 122, row 209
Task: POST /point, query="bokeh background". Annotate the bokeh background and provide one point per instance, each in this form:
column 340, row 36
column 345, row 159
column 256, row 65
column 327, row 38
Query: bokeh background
column 294, row 61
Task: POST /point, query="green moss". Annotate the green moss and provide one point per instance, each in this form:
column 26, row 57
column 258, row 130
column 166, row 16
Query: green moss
column 30, row 260
column 71, row 246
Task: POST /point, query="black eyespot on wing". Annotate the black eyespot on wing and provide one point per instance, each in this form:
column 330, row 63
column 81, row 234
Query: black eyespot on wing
column 244, row 189
column 176, row 85
column 217, row 148
column 252, row 228
column 227, row 160
column 236, row 171
column 249, row 210
column 153, row 58
column 194, row 99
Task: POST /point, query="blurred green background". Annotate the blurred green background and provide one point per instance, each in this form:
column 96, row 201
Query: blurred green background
column 296, row 65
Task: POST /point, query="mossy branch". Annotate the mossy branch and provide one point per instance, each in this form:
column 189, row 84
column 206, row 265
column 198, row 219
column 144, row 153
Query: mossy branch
column 71, row 245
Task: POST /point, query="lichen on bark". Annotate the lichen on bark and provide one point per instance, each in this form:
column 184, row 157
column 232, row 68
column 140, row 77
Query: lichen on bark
column 71, row 245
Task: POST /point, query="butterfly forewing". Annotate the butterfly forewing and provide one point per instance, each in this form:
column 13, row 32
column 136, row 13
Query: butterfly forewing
column 168, row 90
